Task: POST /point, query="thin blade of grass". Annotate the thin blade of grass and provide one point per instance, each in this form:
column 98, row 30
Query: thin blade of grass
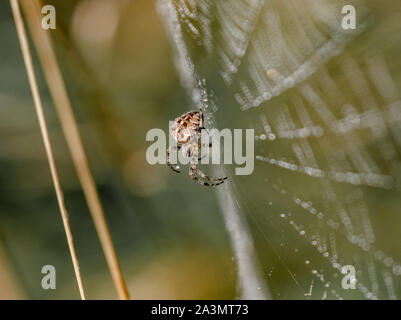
column 19, row 23
column 55, row 82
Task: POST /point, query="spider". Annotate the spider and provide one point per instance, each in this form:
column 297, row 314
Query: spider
column 186, row 131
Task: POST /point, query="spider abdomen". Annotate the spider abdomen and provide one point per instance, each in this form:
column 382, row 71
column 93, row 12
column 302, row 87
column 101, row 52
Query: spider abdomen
column 186, row 127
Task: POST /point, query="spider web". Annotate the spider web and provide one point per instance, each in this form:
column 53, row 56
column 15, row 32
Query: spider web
column 326, row 109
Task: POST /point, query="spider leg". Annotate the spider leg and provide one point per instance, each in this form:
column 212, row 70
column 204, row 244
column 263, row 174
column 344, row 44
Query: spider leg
column 193, row 169
column 208, row 145
column 204, row 176
column 169, row 149
column 199, row 133
column 202, row 119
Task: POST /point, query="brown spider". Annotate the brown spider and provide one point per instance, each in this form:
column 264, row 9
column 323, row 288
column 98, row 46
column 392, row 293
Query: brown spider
column 186, row 131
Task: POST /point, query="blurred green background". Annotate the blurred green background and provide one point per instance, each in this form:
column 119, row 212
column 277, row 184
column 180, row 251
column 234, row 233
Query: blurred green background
column 117, row 63
column 169, row 233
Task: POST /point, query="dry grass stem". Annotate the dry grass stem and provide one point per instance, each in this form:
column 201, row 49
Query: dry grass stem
column 54, row 79
column 45, row 136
